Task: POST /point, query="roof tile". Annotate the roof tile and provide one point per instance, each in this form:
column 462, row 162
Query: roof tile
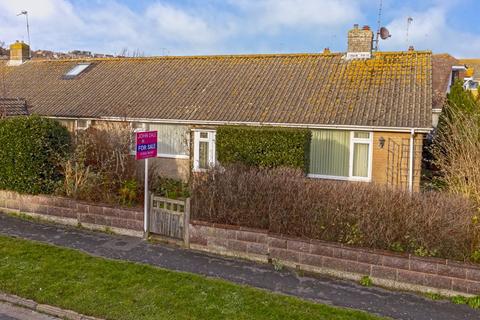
column 391, row 89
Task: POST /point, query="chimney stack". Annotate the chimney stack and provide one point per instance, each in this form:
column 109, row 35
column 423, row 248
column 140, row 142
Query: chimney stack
column 19, row 53
column 360, row 43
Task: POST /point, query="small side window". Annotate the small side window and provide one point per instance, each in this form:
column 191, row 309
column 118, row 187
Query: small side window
column 82, row 124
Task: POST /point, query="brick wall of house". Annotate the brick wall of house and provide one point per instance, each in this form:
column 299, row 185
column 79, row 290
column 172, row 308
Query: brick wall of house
column 400, row 271
column 67, row 211
column 380, row 161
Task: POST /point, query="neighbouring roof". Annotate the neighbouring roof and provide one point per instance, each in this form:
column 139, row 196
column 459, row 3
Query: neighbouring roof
column 472, row 63
column 389, row 90
column 442, row 72
column 10, row 107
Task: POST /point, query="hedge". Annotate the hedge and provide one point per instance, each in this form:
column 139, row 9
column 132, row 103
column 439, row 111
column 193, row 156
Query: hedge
column 31, row 149
column 264, row 146
column 283, row 201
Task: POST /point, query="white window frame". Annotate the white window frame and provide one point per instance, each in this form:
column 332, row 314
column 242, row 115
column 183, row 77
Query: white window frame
column 212, row 158
column 350, row 177
column 88, row 122
column 368, row 141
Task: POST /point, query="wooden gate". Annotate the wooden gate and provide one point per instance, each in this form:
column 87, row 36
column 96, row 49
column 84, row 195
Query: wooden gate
column 169, row 217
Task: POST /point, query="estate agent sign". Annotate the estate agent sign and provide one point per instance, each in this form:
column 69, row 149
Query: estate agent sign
column 146, row 145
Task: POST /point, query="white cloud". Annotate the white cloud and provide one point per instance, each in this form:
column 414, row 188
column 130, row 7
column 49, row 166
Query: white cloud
column 219, row 26
column 178, row 25
column 430, row 30
column 270, row 15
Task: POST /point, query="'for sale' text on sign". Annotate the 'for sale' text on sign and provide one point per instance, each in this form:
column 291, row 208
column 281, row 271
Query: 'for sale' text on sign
column 146, row 143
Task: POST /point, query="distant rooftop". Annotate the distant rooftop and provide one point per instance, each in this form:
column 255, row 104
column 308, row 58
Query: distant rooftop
column 10, row 107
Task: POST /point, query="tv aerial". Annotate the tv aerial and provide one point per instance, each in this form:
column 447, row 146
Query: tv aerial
column 409, row 23
column 382, row 32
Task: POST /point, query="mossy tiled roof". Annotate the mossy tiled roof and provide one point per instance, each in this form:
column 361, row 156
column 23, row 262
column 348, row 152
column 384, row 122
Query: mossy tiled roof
column 13, row 107
column 472, row 63
column 389, row 90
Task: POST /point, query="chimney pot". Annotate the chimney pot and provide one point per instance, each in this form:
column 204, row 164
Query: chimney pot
column 411, row 48
column 326, row 51
column 355, row 26
column 366, row 27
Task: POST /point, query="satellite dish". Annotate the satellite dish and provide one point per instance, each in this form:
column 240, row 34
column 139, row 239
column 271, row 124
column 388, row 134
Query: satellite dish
column 384, row 33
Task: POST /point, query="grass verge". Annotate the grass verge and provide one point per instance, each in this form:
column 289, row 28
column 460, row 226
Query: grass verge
column 122, row 290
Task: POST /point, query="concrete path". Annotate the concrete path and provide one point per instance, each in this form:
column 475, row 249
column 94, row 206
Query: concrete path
column 10, row 312
column 397, row 305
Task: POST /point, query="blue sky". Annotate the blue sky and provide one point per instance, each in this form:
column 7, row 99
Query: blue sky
column 191, row 27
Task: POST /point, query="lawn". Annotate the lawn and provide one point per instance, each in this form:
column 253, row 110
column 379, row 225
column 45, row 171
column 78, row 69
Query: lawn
column 122, row 290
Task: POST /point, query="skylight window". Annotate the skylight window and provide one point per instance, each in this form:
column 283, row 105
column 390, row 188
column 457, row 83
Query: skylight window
column 75, row 71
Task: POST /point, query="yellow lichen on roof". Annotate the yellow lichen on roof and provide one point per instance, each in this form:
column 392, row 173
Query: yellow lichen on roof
column 390, row 89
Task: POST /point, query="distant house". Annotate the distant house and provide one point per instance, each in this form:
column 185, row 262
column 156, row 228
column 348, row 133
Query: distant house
column 10, row 107
column 472, row 74
column 368, row 111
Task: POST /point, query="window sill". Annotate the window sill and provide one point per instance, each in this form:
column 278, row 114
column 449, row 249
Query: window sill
column 357, row 179
column 169, row 156
column 172, row 156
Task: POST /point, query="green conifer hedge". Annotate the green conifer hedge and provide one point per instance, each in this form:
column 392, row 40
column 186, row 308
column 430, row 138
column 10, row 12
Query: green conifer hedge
column 31, row 150
column 264, row 146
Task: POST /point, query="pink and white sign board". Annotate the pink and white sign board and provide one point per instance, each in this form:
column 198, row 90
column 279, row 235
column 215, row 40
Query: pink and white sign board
column 146, row 145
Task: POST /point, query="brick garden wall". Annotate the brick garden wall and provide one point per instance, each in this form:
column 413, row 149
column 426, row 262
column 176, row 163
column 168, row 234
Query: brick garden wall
column 63, row 210
column 400, row 271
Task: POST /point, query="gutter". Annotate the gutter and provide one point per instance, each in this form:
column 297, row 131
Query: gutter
column 257, row 124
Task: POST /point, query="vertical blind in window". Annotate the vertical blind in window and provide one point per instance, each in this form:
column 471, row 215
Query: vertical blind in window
column 360, row 160
column 330, row 153
column 172, row 139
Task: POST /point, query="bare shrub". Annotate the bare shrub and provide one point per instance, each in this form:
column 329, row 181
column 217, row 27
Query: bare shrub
column 457, row 152
column 101, row 168
column 359, row 214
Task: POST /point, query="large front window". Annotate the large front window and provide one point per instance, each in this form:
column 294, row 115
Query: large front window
column 344, row 155
column 173, row 140
column 204, row 150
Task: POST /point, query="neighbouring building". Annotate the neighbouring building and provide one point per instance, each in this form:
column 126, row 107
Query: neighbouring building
column 11, row 107
column 471, row 80
column 368, row 111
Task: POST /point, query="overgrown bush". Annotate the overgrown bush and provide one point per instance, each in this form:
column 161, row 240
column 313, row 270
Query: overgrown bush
column 101, row 168
column 31, row 149
column 263, row 146
column 170, row 188
column 456, row 147
column 358, row 214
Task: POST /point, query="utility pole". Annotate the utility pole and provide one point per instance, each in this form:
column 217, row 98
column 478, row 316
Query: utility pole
column 25, row 13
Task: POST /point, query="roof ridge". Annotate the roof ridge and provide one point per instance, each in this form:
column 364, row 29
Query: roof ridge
column 231, row 56
column 259, row 55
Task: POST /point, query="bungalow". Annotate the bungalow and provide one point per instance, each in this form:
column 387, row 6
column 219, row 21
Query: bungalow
column 368, row 111
column 10, row 107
